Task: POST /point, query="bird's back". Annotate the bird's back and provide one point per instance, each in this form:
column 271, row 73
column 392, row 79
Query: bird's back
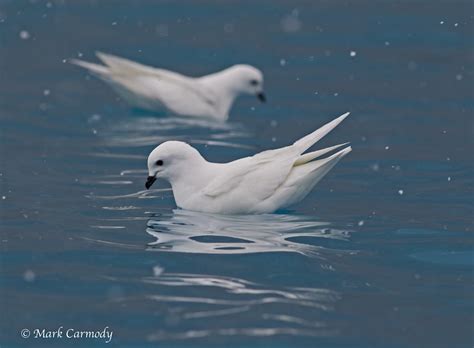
column 269, row 180
column 155, row 89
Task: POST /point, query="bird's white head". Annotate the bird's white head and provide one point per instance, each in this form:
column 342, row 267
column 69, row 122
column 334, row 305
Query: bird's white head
column 247, row 79
column 171, row 160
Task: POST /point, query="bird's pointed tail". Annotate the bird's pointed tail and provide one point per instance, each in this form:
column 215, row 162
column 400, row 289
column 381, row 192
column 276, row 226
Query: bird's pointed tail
column 306, row 142
column 98, row 69
column 307, row 157
column 323, row 166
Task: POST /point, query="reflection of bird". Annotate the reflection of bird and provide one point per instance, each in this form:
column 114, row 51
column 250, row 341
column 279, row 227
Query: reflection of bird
column 159, row 89
column 263, row 183
column 193, row 232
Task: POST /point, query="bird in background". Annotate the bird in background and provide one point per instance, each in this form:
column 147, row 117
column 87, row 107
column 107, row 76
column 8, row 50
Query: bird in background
column 263, row 183
column 154, row 89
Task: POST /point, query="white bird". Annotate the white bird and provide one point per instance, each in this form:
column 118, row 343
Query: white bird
column 262, row 183
column 155, row 89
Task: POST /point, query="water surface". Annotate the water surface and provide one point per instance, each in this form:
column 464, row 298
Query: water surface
column 378, row 255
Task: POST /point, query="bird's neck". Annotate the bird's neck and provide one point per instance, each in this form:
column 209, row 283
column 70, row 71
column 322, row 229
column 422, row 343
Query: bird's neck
column 190, row 179
column 223, row 85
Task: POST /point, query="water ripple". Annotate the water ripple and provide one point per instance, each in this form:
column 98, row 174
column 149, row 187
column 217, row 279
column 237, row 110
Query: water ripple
column 121, row 208
column 172, row 123
column 254, row 332
column 216, row 296
column 147, row 131
column 191, row 232
column 140, row 194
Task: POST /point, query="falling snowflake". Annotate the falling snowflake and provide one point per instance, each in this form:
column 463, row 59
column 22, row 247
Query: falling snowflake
column 291, row 23
column 24, row 35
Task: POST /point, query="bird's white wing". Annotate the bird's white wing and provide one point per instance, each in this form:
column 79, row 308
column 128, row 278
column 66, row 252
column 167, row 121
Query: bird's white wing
column 263, row 173
column 120, row 67
column 149, row 90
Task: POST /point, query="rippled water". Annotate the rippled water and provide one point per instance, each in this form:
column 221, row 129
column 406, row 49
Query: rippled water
column 378, row 255
column 216, row 234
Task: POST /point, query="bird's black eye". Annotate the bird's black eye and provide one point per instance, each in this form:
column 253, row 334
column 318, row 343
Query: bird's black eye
column 159, row 163
column 253, row 82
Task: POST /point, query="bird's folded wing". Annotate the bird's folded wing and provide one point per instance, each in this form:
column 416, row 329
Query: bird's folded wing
column 261, row 174
column 122, row 66
column 173, row 96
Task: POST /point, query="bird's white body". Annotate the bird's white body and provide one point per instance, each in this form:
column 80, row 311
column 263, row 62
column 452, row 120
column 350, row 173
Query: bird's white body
column 263, row 183
column 156, row 89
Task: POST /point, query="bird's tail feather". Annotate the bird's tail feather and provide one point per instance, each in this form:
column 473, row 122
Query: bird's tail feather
column 94, row 68
column 304, row 177
column 325, row 165
column 307, row 157
column 122, row 65
column 306, row 142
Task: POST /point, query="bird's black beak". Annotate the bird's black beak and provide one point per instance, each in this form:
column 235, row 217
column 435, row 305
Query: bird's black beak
column 261, row 97
column 149, row 181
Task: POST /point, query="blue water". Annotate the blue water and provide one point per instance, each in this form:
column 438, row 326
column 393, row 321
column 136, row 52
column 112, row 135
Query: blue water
column 380, row 254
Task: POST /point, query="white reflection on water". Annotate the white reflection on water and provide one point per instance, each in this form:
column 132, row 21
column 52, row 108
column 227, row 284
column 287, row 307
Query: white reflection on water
column 191, row 232
column 145, row 131
column 254, row 332
column 167, row 123
column 142, row 194
column 275, row 310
